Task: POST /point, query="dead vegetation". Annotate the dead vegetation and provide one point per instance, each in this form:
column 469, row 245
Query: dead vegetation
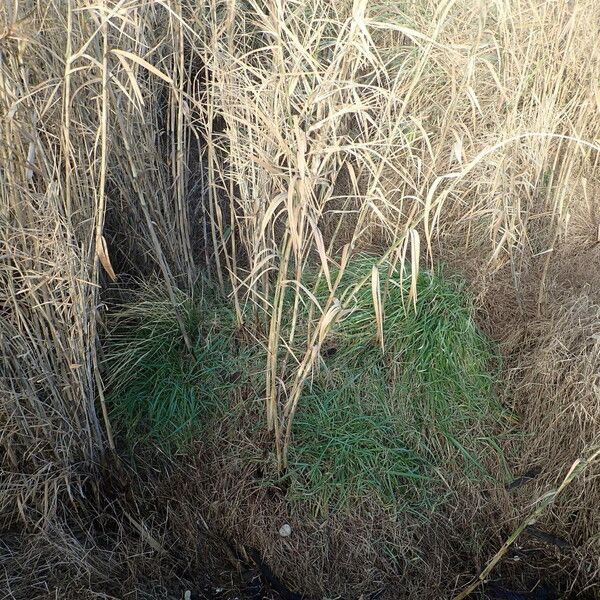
column 253, row 141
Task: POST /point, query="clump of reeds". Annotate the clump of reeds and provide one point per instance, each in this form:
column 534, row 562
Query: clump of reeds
column 266, row 139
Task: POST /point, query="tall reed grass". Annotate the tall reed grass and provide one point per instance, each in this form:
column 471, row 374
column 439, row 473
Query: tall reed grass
column 94, row 174
column 331, row 127
column 259, row 138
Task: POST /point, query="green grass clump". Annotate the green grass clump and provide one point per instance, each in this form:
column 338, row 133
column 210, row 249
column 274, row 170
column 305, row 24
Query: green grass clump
column 347, row 448
column 397, row 423
column 158, row 389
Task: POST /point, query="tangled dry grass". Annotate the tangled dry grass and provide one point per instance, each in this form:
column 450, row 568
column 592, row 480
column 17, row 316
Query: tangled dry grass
column 252, row 140
column 553, row 380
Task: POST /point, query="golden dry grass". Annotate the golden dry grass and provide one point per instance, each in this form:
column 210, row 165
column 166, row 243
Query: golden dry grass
column 346, row 128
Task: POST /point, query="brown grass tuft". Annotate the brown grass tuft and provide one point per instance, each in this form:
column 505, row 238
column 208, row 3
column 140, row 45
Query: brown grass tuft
column 555, row 387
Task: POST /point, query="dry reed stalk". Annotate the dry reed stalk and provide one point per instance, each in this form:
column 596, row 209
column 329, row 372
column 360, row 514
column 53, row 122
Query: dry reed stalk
column 578, row 467
column 85, row 189
column 355, row 124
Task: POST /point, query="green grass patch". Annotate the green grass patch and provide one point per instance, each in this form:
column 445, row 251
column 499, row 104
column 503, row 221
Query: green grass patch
column 158, row 389
column 396, row 424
